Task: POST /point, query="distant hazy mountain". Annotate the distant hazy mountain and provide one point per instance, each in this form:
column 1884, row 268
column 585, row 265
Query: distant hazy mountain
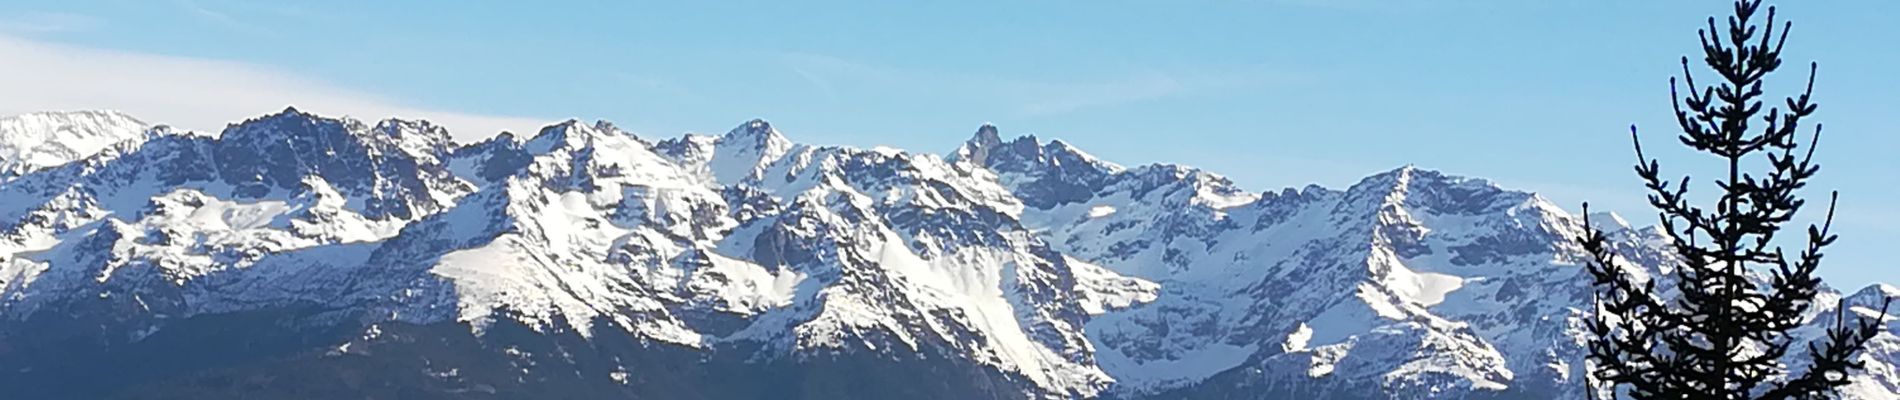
column 39, row 140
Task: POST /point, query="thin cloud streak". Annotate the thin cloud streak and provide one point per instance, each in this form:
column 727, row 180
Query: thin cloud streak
column 219, row 14
column 48, row 22
column 197, row 94
column 824, row 86
column 200, row 10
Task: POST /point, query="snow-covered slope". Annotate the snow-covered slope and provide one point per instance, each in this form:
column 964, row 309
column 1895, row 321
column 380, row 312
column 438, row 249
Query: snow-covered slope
column 1035, row 268
column 36, row 141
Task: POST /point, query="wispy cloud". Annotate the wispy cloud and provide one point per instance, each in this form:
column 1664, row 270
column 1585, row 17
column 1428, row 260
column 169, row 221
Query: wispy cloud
column 200, row 10
column 224, row 13
column 1029, row 97
column 194, row 93
column 1048, row 98
column 656, row 86
column 819, row 82
column 39, row 22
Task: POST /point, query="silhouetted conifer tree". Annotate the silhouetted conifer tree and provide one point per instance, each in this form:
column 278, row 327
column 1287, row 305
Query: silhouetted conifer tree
column 1722, row 334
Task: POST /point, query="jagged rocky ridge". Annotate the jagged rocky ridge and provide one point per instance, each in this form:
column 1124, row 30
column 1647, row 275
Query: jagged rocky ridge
column 584, row 260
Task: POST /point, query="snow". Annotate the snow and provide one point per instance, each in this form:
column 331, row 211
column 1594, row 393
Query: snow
column 487, row 273
column 40, row 140
column 218, row 214
column 1158, row 277
column 745, row 151
column 1103, row 290
column 1326, row 359
column 1347, row 319
column 1426, row 288
column 746, row 287
column 1298, row 340
column 973, row 283
column 1186, row 368
column 1608, row 222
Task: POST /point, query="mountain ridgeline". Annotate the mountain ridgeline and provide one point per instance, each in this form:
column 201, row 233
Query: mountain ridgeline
column 299, row 256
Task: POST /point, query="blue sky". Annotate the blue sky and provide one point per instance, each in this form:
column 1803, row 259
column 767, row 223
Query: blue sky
column 1534, row 95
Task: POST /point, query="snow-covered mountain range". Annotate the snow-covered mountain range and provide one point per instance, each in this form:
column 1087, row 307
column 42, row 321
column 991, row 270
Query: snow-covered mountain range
column 298, row 255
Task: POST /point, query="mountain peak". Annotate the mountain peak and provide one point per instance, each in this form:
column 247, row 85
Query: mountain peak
column 987, row 148
column 1389, row 182
column 1059, row 146
column 757, row 133
column 1607, row 221
column 75, row 114
column 1399, row 176
column 71, row 119
column 979, row 146
column 1411, row 176
column 1872, row 294
column 1027, row 153
column 754, row 128
column 982, row 146
column 419, row 138
column 44, row 139
column 289, row 115
column 558, row 135
column 606, row 126
column 392, row 165
column 566, row 132
column 1411, row 186
column 985, row 139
